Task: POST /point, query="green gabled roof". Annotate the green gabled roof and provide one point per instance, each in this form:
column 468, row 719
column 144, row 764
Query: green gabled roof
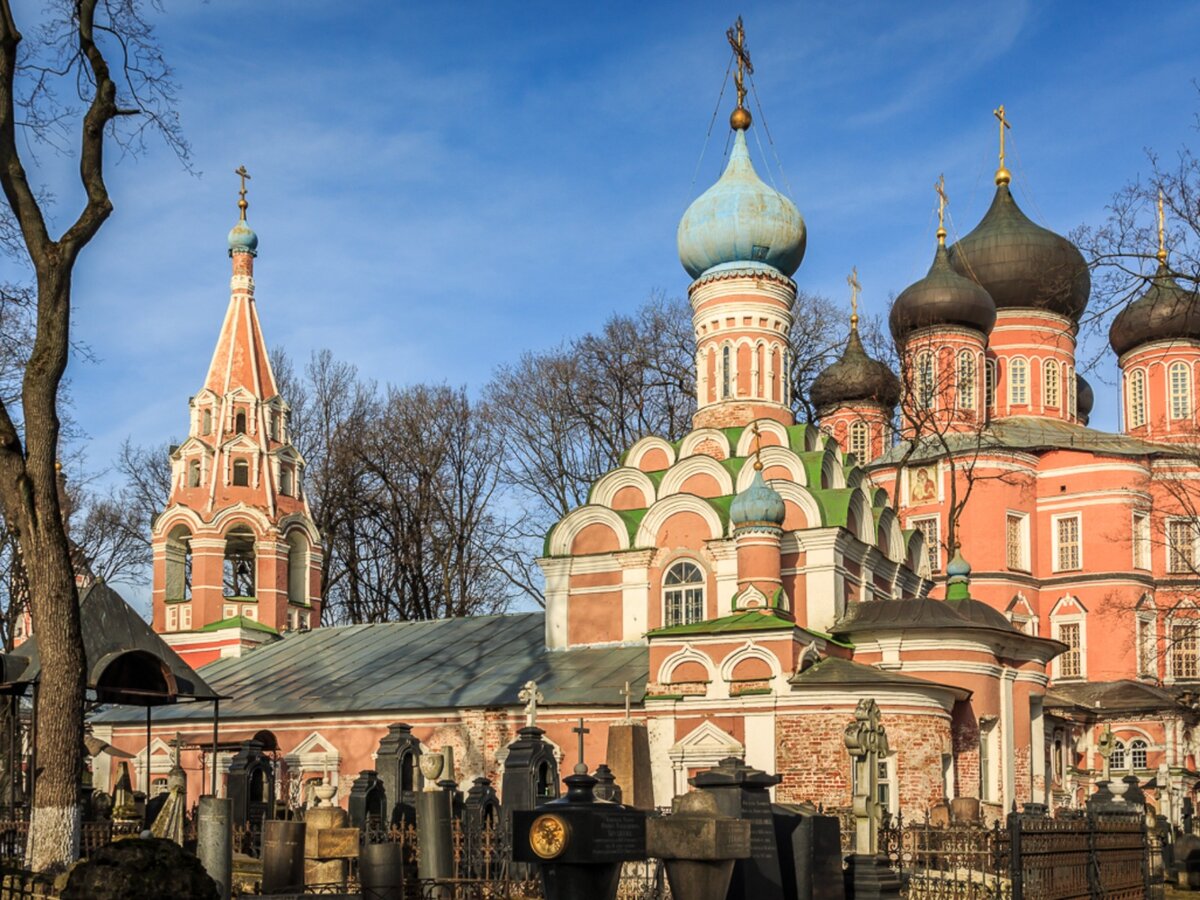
column 742, row 621
column 721, row 505
column 632, row 519
column 795, row 435
column 733, row 435
column 656, row 477
column 734, row 465
column 239, row 622
column 811, row 461
column 834, row 503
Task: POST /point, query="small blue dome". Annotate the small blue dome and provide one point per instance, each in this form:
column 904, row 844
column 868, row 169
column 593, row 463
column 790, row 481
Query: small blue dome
column 958, row 567
column 759, row 504
column 242, row 238
column 741, row 219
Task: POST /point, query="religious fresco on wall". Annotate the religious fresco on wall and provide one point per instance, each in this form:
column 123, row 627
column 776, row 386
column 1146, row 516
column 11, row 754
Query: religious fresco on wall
column 923, row 484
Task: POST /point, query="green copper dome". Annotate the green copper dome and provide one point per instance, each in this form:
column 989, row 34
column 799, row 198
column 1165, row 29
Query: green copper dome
column 741, row 219
column 758, row 505
column 242, row 239
column 942, row 297
column 1022, row 265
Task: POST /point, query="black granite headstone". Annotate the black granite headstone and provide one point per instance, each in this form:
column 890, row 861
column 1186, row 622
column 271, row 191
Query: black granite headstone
column 606, row 785
column 530, row 772
column 810, row 853
column 741, row 792
column 398, row 763
column 481, row 809
column 368, row 800
column 251, row 784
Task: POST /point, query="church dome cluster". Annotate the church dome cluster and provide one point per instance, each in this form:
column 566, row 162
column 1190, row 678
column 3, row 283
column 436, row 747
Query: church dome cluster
column 1165, row 312
column 856, row 377
column 942, row 297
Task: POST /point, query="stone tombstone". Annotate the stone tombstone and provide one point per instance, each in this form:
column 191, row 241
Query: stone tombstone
column 578, row 843
column 481, row 808
column 607, row 788
column 530, row 771
column 214, row 841
column 740, row 792
column 283, row 857
column 251, row 784
column 329, row 845
column 397, row 762
column 628, row 755
column 435, row 829
column 810, row 852
column 698, row 846
column 1104, row 746
column 368, row 800
column 868, row 875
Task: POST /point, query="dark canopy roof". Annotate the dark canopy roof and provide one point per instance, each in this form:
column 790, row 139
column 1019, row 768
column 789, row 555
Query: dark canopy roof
column 846, row 673
column 126, row 661
column 480, row 661
column 1125, row 696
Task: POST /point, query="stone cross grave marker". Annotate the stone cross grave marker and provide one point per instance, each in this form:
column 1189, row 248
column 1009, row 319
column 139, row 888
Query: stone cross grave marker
column 1105, row 745
column 866, row 739
column 581, row 766
column 531, row 697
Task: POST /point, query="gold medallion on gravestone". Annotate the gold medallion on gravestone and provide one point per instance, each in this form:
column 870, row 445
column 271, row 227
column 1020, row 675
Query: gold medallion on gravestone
column 548, row 836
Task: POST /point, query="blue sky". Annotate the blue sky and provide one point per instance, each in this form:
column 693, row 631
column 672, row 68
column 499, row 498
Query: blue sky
column 437, row 187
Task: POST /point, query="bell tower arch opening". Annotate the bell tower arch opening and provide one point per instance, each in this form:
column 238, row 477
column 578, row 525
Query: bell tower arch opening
column 239, row 575
column 297, row 567
column 179, row 563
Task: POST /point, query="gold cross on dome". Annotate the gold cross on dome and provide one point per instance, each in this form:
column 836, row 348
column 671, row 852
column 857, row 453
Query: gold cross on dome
column 943, row 201
column 855, row 287
column 1004, row 125
column 241, row 172
column 757, row 447
column 1162, row 230
column 737, row 40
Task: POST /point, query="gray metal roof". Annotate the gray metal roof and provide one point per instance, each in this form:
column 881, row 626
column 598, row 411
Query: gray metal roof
column 398, row 666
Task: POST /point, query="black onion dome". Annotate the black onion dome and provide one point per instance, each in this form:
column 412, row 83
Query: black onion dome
column 1165, row 312
column 942, row 297
column 1022, row 265
column 855, row 377
column 1085, row 398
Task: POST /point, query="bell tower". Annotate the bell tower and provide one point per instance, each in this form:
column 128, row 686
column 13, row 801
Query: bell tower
column 237, row 557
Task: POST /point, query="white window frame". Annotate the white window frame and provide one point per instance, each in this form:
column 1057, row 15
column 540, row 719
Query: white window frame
column 860, row 433
column 1056, row 625
column 1139, row 531
column 1023, row 539
column 250, row 612
column 1147, row 654
column 1179, row 395
column 967, row 376
column 1072, row 394
column 1057, row 547
column 926, row 380
column 172, row 618
column 1172, row 567
column 1018, row 364
column 1118, row 763
column 185, row 617
column 933, row 550
column 1137, row 398
column 1144, row 749
column 1173, row 620
column 991, row 376
column 703, row 584
column 1051, row 385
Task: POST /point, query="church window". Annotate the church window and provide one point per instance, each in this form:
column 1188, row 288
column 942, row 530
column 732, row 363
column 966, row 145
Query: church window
column 285, row 481
column 726, row 372
column 1137, row 399
column 1016, row 532
column 683, row 594
column 1141, row 540
column 1070, row 663
column 1018, row 382
column 966, row 380
column 1137, row 754
column 1146, row 640
column 239, row 422
column 297, row 563
column 1116, row 761
column 1181, row 546
column 206, row 422
column 925, row 376
column 989, row 383
column 194, row 473
column 274, row 426
column 178, row 553
column 241, row 473
column 1050, row 392
column 1072, row 393
column 1182, row 654
column 928, row 525
column 238, row 575
column 987, row 774
column 860, row 439
column 1067, row 555
column 158, row 786
column 1181, row 391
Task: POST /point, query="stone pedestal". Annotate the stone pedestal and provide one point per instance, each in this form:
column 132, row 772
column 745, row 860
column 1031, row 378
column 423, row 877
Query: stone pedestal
column 214, row 841
column 869, row 878
column 628, row 757
column 810, row 853
column 381, row 871
column 698, row 847
column 435, row 836
column 329, row 845
column 282, row 857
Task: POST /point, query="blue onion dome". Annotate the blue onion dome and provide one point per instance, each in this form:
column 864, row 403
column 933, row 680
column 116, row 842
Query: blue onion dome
column 741, row 219
column 1165, row 312
column 958, row 567
column 758, row 505
column 942, row 297
column 856, row 377
column 1022, row 265
column 1085, row 398
column 243, row 239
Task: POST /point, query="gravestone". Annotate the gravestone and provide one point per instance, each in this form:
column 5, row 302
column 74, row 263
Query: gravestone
column 368, row 800
column 698, row 846
column 741, row 793
column 435, row 812
column 578, row 843
column 397, row 762
column 607, row 788
column 810, row 852
column 214, row 841
column 628, row 755
column 868, row 875
column 481, row 809
column 251, row 784
column 283, row 857
column 329, row 845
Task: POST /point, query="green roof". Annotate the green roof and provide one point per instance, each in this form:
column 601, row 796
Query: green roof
column 750, row 620
column 239, row 622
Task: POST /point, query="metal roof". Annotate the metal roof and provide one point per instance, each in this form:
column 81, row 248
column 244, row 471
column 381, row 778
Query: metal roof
column 474, row 662
column 836, row 672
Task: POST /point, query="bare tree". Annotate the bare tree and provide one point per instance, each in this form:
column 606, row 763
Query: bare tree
column 74, row 50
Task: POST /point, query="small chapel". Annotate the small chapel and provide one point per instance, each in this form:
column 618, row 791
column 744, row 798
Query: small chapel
column 1011, row 588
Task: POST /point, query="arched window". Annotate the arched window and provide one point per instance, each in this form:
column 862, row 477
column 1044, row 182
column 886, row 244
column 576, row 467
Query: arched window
column 206, row 421
column 1018, row 382
column 241, row 473
column 274, row 426
column 989, row 384
column 966, row 380
column 860, row 440
column 297, row 561
column 726, row 372
column 1137, row 398
column 1050, row 387
column 239, row 422
column 285, row 481
column 179, row 563
column 786, row 376
column 925, row 375
column 239, row 563
column 1072, row 393
column 1116, row 761
column 194, row 473
column 1181, row 391
column 683, row 594
column 1137, row 754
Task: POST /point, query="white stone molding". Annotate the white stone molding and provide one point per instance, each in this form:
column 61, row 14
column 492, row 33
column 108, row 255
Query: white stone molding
column 605, row 490
column 574, row 522
column 694, row 439
column 658, row 514
column 701, row 464
column 703, row 748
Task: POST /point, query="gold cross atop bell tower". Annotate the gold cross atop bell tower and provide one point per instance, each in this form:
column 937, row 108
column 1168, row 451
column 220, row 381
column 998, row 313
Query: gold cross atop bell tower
column 1162, row 231
column 1003, row 176
column 241, row 172
column 943, row 201
column 855, row 287
column 739, row 119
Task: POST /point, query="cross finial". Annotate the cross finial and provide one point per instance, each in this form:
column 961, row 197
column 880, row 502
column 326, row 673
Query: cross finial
column 531, row 697
column 757, row 447
column 943, row 200
column 1162, row 231
column 1003, row 176
column 627, row 693
column 740, row 120
column 855, row 287
column 241, row 172
column 581, row 766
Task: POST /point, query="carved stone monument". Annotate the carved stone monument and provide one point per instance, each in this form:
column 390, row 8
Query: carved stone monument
column 628, row 755
column 329, row 845
column 368, row 801
column 698, row 846
column 251, row 784
column 396, row 761
column 434, row 821
column 867, row 873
